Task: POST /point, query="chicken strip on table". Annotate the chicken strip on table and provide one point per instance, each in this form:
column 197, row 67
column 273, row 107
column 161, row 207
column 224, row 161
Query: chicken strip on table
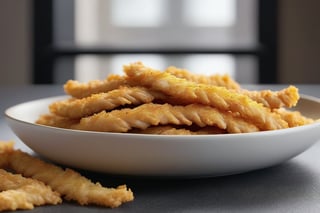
column 215, row 96
column 5, row 148
column 18, row 192
column 69, row 183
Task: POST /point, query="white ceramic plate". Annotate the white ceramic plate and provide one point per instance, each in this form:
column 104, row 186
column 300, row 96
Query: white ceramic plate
column 134, row 154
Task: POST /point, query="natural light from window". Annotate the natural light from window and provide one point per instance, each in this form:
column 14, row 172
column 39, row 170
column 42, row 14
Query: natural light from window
column 138, row 13
column 209, row 13
column 191, row 23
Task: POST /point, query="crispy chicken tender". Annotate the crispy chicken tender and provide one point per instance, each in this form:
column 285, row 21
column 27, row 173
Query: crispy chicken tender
column 81, row 90
column 294, row 118
column 69, row 183
column 5, row 148
column 77, row 108
column 288, row 97
column 217, row 79
column 56, row 121
column 19, row 192
column 151, row 114
column 170, row 130
column 163, row 130
column 215, row 96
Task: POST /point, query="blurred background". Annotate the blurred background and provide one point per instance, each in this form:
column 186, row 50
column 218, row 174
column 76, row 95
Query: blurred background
column 254, row 41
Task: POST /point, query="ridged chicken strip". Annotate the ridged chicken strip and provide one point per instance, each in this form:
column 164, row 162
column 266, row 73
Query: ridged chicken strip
column 19, row 192
column 170, row 130
column 81, row 90
column 151, row 114
column 294, row 118
column 77, row 108
column 5, row 148
column 215, row 96
column 56, row 121
column 163, row 130
column 217, row 79
column 69, row 183
column 287, row 97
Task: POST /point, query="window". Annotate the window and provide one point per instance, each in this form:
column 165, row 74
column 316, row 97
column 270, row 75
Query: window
column 158, row 24
column 203, row 36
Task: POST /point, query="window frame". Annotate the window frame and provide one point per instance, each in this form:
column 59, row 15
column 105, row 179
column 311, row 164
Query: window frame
column 46, row 51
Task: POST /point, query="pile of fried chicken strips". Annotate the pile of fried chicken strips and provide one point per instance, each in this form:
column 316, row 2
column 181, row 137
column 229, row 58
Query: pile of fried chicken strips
column 141, row 101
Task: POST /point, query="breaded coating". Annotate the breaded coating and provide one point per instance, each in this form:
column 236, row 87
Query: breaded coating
column 151, row 114
column 81, row 90
column 77, row 108
column 288, row 97
column 170, row 130
column 18, row 192
column 217, row 79
column 164, row 130
column 69, row 183
column 215, row 96
column 56, row 121
column 294, row 118
column 5, row 148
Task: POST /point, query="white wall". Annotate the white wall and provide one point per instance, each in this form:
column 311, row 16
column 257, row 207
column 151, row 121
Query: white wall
column 15, row 53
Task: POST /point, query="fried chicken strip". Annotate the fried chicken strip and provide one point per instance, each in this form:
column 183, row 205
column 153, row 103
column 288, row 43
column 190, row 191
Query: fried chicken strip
column 151, row 114
column 215, row 96
column 170, row 130
column 5, row 148
column 56, row 121
column 163, row 130
column 294, row 118
column 77, row 108
column 287, row 97
column 19, row 192
column 69, row 183
column 81, row 90
column 217, row 79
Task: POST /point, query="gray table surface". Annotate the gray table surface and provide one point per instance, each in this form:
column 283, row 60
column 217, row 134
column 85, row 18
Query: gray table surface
column 293, row 186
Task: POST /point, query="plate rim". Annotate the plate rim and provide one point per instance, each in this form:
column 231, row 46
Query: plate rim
column 253, row 134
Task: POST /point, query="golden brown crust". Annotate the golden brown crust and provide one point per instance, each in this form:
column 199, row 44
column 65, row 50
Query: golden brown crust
column 176, row 130
column 69, row 183
column 18, row 192
column 217, row 79
column 294, row 118
column 152, row 114
column 214, row 96
column 288, row 97
column 81, row 90
column 56, row 121
column 77, row 108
